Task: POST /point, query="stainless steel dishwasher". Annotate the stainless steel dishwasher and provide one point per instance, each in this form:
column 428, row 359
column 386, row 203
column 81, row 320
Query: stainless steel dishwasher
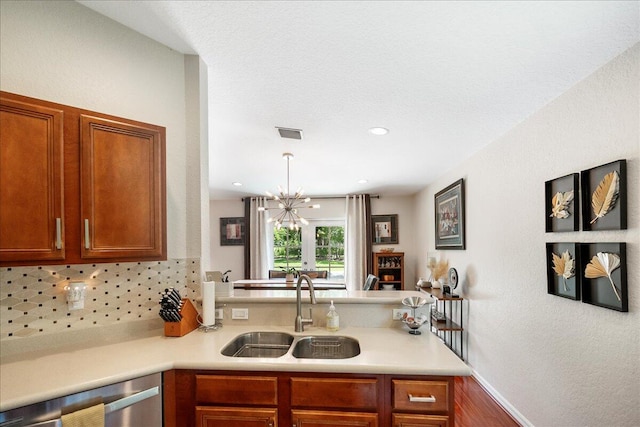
column 132, row 403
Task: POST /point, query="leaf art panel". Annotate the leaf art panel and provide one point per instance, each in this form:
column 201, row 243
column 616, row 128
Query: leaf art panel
column 560, row 205
column 564, row 266
column 605, row 196
column 602, row 265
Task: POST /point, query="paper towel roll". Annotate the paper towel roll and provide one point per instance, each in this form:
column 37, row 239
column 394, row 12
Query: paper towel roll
column 208, row 303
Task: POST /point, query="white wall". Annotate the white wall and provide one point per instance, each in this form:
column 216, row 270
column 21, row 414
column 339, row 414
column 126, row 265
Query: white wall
column 558, row 362
column 66, row 53
column 404, row 206
column 225, row 258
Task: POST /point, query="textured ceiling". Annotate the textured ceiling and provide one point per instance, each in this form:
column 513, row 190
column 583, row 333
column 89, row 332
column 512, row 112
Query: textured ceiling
column 446, row 78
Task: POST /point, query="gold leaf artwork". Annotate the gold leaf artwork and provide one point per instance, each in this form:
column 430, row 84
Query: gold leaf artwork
column 560, row 204
column 564, row 267
column 602, row 265
column 605, row 196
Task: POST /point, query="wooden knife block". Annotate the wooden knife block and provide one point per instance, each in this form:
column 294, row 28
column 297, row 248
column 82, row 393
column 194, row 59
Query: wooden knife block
column 188, row 323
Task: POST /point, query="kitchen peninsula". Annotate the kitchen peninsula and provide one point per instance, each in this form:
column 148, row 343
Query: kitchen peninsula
column 390, row 356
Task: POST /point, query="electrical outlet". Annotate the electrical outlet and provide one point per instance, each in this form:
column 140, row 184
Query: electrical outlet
column 398, row 313
column 240, row 313
column 219, row 314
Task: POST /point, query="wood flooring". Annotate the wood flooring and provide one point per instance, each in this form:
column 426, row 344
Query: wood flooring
column 476, row 408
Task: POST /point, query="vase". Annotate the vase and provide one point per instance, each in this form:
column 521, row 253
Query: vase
column 289, row 277
column 435, row 284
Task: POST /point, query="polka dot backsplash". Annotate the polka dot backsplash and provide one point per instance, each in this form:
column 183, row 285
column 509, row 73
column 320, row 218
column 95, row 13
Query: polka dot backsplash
column 33, row 299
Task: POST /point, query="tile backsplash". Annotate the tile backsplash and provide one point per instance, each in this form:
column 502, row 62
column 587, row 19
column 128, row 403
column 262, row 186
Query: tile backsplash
column 33, row 300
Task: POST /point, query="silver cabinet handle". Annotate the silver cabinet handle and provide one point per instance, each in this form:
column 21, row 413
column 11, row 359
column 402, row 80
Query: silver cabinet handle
column 58, row 233
column 130, row 400
column 422, row 399
column 87, row 241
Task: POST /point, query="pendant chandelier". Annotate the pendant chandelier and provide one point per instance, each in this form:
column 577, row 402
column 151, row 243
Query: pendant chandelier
column 289, row 204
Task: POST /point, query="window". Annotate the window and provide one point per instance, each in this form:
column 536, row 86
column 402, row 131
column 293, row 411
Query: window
column 317, row 246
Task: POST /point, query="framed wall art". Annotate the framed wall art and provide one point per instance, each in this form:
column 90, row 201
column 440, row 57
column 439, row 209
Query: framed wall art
column 449, row 217
column 384, row 229
column 232, row 231
column 604, row 275
column 561, row 203
column 563, row 270
column 604, row 197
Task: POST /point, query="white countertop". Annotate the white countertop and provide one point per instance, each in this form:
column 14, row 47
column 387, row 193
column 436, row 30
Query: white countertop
column 39, row 376
column 340, row 296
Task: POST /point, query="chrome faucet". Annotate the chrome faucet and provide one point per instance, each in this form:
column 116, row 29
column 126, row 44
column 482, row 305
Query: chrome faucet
column 300, row 322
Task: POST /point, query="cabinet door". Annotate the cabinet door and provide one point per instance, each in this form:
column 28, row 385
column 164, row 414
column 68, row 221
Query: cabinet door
column 122, row 189
column 411, row 420
column 210, row 416
column 333, row 418
column 31, row 182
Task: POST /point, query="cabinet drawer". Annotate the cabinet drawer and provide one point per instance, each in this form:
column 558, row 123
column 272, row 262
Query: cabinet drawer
column 421, row 395
column 334, row 393
column 207, row 416
column 413, row 420
column 238, row 390
column 333, row 418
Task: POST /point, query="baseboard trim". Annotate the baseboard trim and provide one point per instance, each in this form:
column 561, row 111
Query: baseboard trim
column 515, row 414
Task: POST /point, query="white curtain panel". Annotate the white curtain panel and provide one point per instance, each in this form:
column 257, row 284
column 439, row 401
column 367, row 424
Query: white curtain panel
column 260, row 240
column 355, row 268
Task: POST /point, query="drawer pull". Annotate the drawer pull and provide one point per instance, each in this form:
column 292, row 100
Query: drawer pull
column 422, row 399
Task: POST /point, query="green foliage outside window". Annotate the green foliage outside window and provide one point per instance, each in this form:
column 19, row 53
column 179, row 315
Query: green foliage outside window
column 329, row 249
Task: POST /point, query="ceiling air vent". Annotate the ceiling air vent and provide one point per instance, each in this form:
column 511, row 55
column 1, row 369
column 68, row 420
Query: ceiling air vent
column 290, row 133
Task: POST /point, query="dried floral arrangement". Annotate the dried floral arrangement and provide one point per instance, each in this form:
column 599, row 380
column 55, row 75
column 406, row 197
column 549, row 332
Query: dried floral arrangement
column 440, row 270
column 605, row 195
column 603, row 265
column 564, row 266
column 560, row 205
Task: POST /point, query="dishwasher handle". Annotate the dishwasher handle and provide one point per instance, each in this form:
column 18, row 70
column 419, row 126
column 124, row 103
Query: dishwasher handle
column 108, row 408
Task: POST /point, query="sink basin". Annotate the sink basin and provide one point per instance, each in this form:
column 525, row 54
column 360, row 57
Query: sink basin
column 326, row 347
column 259, row 344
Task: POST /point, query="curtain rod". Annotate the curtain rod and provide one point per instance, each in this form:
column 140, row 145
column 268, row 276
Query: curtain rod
column 376, row 196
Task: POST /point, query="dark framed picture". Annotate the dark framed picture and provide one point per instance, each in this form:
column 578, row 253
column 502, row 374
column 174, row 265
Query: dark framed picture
column 563, row 270
column 449, row 216
column 561, row 202
column 384, row 229
column 604, row 275
column 232, row 231
column 604, row 197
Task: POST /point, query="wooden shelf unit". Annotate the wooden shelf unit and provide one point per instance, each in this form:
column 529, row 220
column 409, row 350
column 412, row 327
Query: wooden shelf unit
column 448, row 329
column 389, row 264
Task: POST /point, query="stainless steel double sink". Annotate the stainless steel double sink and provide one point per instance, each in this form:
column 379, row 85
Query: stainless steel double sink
column 277, row 344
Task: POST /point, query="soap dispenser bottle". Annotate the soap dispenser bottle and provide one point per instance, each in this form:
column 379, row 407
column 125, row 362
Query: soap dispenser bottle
column 333, row 319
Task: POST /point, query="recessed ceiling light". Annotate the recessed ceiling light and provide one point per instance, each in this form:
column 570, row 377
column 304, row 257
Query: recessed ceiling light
column 237, row 184
column 378, row 131
column 362, row 181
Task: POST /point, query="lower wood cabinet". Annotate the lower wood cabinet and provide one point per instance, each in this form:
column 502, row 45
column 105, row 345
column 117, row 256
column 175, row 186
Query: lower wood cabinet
column 303, row 399
column 207, row 416
column 301, row 418
column 413, row 420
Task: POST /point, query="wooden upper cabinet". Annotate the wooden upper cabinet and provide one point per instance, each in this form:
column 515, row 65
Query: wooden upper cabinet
column 78, row 186
column 31, row 182
column 121, row 185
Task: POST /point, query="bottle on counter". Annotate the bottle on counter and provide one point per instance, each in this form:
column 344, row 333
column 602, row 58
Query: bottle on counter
column 333, row 319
